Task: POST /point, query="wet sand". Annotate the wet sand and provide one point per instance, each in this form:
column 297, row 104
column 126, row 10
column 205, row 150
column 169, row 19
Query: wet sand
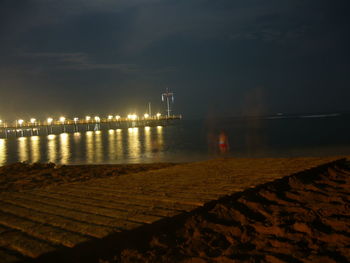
column 224, row 210
column 24, row 176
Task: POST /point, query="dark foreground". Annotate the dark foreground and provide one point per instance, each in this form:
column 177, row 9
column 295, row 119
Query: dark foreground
column 300, row 218
column 303, row 217
column 24, row 176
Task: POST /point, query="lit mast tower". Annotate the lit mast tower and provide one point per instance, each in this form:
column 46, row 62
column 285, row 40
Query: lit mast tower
column 169, row 98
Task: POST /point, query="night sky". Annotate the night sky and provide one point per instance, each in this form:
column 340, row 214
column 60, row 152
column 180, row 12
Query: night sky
column 222, row 57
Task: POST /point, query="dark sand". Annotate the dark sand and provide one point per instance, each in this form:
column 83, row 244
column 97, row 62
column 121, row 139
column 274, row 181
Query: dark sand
column 300, row 218
column 24, row 176
column 303, row 217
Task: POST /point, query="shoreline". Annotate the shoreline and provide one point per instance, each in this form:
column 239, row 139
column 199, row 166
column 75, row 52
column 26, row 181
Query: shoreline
column 21, row 176
column 25, row 176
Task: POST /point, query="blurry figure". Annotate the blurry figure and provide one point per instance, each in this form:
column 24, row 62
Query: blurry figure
column 155, row 146
column 223, row 143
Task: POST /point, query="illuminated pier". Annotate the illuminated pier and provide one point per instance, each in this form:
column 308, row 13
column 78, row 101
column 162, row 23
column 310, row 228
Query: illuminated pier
column 34, row 127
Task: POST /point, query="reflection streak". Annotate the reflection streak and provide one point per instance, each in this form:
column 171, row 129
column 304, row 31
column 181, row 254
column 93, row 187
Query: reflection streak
column 77, row 142
column 23, row 149
column 2, row 152
column 148, row 143
column 64, row 147
column 51, row 148
column 89, row 146
column 160, row 140
column 134, row 143
column 35, row 148
column 98, row 147
column 111, row 145
column 119, row 143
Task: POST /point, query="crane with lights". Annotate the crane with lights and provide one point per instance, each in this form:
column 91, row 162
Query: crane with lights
column 168, row 97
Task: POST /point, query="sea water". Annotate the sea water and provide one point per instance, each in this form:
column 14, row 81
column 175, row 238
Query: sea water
column 188, row 140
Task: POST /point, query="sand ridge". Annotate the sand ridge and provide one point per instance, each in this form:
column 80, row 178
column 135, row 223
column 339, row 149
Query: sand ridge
column 301, row 218
column 82, row 221
column 25, row 176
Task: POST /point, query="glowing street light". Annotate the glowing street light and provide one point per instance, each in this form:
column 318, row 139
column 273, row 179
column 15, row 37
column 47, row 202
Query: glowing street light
column 117, row 117
column 49, row 120
column 158, row 115
column 75, row 124
column 20, row 122
column 87, row 118
column 62, row 120
column 32, row 121
column 146, row 115
column 110, row 118
column 132, row 117
column 97, row 124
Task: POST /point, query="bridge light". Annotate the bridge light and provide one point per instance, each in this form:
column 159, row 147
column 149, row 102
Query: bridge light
column 158, row 115
column 87, row 118
column 97, row 119
column 62, row 119
column 110, row 117
column 49, row 120
column 20, row 122
column 32, row 120
column 132, row 117
column 117, row 117
column 146, row 115
column 76, row 119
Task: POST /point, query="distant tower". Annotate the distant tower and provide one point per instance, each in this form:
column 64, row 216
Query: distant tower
column 168, row 97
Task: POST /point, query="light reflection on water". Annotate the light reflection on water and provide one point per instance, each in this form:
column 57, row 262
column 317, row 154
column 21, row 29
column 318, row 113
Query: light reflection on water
column 2, row 151
column 23, row 155
column 64, row 148
column 89, row 146
column 134, row 143
column 111, row 146
column 188, row 141
column 119, row 144
column 148, row 146
column 35, row 148
column 51, row 148
column 160, row 138
column 77, row 141
column 98, row 147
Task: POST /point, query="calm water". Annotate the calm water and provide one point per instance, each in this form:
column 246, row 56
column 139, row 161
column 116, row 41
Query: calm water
column 186, row 141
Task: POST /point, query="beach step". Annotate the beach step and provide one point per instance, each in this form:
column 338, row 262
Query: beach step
column 39, row 221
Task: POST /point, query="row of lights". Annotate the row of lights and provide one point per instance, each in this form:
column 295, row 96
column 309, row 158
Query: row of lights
column 62, row 119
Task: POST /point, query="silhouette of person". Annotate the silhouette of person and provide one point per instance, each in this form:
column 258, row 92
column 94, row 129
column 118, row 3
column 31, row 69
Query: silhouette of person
column 223, row 143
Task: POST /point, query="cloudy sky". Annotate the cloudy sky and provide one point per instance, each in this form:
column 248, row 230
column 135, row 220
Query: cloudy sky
column 221, row 57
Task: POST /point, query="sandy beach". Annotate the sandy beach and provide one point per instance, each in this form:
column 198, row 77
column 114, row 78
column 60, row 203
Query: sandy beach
column 24, row 176
column 223, row 210
column 300, row 218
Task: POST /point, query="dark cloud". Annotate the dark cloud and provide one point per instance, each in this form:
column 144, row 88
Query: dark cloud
column 117, row 55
